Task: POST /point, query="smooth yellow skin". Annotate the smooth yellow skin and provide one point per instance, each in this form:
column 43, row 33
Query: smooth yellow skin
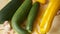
column 48, row 16
column 42, row 1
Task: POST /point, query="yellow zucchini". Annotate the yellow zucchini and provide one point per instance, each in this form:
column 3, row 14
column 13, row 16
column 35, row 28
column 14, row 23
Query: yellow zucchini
column 48, row 16
column 42, row 1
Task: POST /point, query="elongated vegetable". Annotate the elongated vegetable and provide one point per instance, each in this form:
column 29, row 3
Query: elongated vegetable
column 20, row 16
column 41, row 1
column 49, row 14
column 31, row 17
column 7, row 12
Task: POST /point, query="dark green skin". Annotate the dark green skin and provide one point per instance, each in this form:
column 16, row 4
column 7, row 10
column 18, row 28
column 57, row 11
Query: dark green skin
column 31, row 17
column 20, row 16
column 7, row 12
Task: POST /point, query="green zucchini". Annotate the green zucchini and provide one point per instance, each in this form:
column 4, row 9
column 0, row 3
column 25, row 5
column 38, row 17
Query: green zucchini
column 7, row 12
column 31, row 17
column 20, row 16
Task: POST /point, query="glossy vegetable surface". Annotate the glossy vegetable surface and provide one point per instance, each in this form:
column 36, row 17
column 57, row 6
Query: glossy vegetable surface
column 48, row 17
column 32, row 16
column 7, row 12
column 20, row 16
